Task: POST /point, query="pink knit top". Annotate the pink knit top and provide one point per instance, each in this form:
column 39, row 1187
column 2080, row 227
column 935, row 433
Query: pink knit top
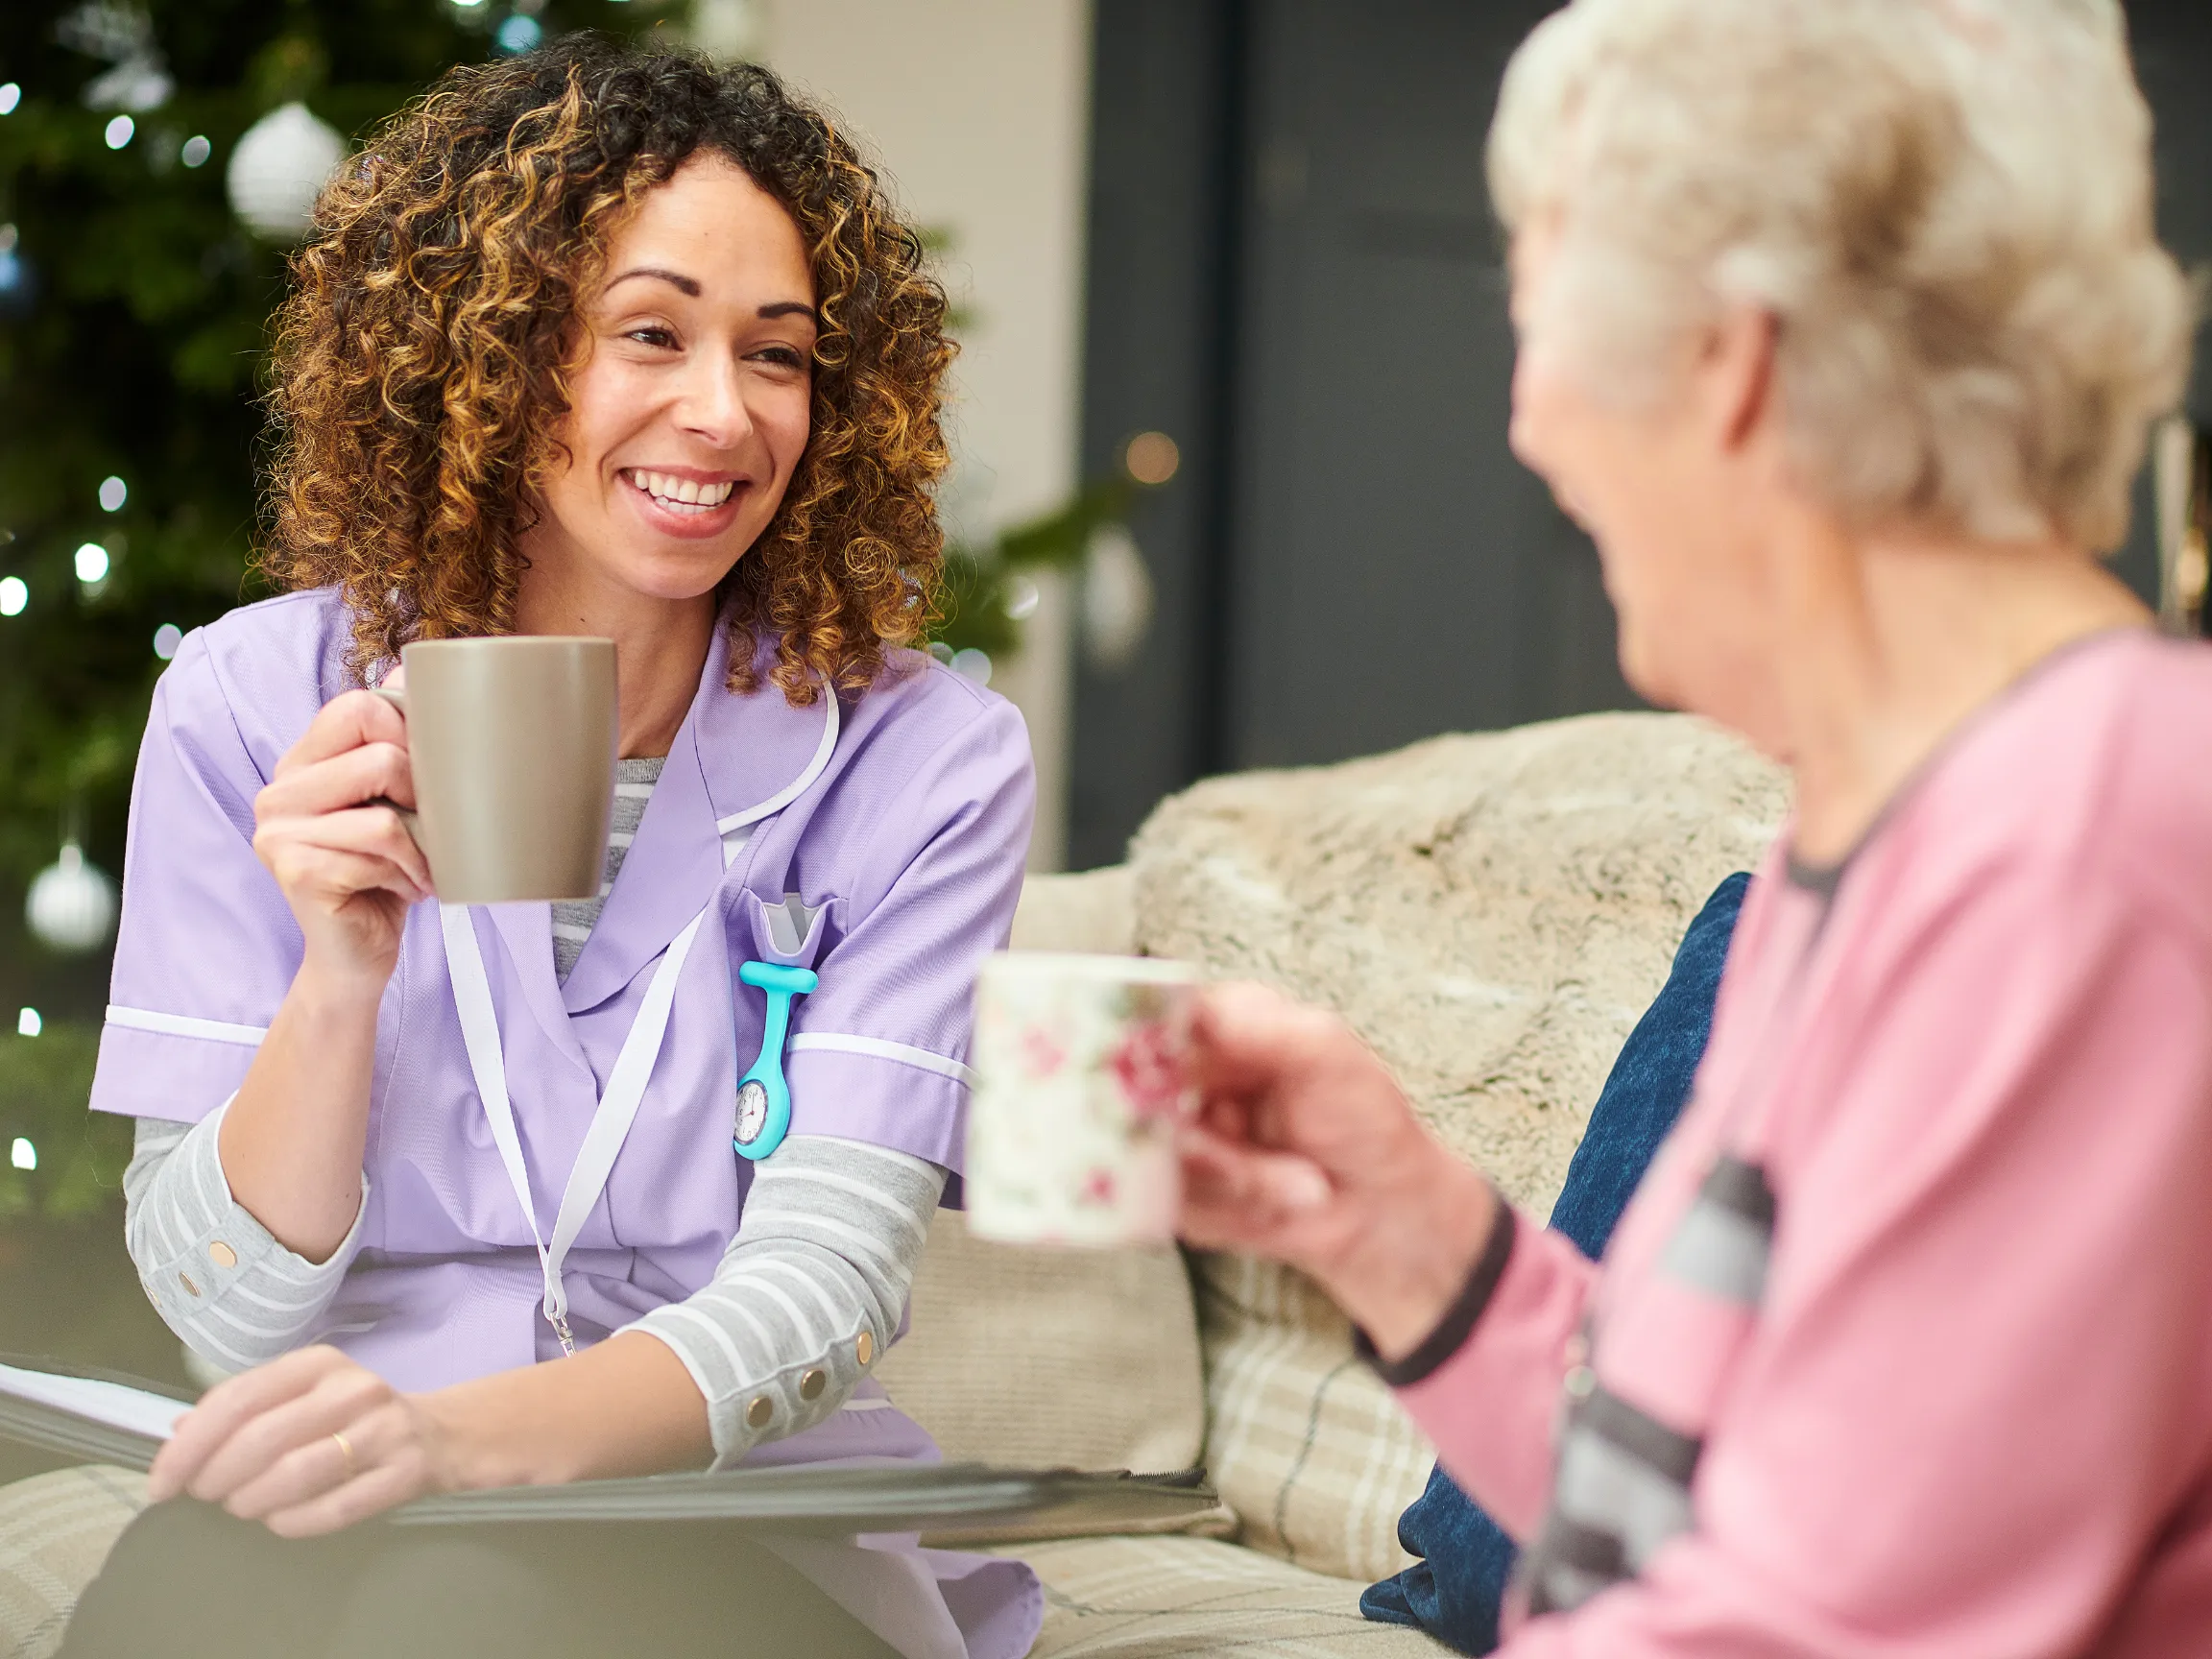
column 1964, row 1406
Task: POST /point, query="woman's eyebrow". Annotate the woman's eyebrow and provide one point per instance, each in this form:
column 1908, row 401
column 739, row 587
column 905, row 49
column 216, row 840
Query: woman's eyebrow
column 675, row 279
column 689, row 286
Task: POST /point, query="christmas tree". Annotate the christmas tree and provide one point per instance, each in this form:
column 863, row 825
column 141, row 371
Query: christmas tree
column 134, row 300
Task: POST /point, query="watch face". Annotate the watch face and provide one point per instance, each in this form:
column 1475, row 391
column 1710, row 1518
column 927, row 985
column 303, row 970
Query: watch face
column 752, row 1111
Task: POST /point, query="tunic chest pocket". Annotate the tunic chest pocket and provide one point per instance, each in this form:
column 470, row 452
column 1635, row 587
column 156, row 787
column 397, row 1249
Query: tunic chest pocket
column 790, row 934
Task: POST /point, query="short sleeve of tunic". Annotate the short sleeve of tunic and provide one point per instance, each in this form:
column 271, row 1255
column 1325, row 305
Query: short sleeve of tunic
column 879, row 1049
column 206, row 946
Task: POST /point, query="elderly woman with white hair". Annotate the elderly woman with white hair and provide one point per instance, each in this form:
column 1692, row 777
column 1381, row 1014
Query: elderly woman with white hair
column 1841, row 324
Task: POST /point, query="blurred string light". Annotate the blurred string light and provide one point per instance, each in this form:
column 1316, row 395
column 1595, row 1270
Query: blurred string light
column 1023, row 597
column 16, row 280
column 119, row 132
column 92, row 563
column 13, row 595
column 973, row 664
column 113, row 493
column 27, row 1023
column 11, row 95
column 1152, row 458
column 518, row 34
column 166, row 638
column 23, row 1155
column 196, row 150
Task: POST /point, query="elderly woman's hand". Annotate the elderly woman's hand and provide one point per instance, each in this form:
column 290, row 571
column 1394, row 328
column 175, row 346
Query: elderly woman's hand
column 1305, row 1150
column 327, row 829
column 307, row 1444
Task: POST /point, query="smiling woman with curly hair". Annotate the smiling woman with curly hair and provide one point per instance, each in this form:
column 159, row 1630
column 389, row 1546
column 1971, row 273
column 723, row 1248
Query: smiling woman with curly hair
column 588, row 342
column 426, row 359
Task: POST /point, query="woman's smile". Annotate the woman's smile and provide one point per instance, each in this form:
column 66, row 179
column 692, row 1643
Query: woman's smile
column 684, row 500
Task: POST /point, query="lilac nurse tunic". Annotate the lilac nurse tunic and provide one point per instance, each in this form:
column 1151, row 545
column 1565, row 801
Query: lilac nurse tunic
column 901, row 820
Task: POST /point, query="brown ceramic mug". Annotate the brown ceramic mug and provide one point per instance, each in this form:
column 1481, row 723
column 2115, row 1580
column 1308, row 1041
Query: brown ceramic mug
column 512, row 741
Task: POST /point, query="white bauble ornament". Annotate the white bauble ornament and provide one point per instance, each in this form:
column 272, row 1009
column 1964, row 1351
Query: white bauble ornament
column 1118, row 598
column 138, row 84
column 727, row 31
column 72, row 903
column 279, row 168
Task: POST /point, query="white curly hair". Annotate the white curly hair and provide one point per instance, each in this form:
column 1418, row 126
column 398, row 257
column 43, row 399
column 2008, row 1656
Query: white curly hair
column 1945, row 205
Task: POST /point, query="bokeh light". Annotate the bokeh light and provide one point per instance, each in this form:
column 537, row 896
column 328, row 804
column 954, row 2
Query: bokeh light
column 119, row 132
column 92, row 563
column 1152, row 458
column 166, row 638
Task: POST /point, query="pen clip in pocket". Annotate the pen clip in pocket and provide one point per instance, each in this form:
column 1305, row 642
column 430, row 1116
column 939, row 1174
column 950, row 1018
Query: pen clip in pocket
column 790, row 932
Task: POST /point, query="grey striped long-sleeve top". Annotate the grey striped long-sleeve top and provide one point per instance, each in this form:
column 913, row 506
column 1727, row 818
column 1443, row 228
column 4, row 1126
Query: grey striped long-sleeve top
column 808, row 1292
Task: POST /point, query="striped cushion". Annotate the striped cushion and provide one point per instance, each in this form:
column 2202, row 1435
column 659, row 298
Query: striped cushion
column 1302, row 1440
column 55, row 1531
column 1156, row 1598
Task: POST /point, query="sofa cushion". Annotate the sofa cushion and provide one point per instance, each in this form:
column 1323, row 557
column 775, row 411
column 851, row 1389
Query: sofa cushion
column 55, row 1531
column 1088, row 910
column 1493, row 913
column 1082, row 1358
column 1303, row 1441
column 1051, row 1357
column 1158, row 1598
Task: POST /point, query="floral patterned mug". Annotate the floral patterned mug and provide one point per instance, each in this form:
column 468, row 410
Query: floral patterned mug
column 1081, row 1077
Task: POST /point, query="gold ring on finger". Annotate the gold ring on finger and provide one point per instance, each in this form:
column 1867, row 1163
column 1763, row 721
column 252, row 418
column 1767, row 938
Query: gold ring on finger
column 346, row 1450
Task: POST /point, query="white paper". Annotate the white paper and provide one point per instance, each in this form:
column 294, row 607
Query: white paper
column 131, row 1409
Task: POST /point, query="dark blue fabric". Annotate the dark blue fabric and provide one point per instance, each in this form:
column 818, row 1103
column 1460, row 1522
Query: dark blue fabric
column 1454, row 1591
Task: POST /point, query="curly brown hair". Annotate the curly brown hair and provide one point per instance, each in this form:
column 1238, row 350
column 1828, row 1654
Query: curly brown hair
column 421, row 363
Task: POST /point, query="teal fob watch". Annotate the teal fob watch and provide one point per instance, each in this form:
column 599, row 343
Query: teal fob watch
column 764, row 1096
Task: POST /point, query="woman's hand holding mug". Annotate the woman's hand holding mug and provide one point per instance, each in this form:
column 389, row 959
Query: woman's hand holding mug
column 1304, row 1150
column 328, row 827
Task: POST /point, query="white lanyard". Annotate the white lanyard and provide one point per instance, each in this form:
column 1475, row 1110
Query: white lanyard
column 610, row 1122
column 625, row 1089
